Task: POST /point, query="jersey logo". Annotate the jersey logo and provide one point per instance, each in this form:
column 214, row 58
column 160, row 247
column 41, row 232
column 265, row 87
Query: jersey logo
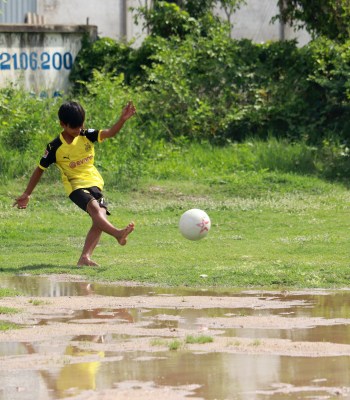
column 87, row 147
column 74, row 164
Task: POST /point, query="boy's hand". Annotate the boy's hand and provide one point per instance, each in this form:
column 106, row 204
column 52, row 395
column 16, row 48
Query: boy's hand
column 128, row 111
column 22, row 201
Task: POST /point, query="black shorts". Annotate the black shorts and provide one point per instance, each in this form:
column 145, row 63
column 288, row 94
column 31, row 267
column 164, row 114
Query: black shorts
column 82, row 197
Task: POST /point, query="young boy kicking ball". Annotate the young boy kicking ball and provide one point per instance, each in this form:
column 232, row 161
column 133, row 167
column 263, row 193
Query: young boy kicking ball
column 73, row 152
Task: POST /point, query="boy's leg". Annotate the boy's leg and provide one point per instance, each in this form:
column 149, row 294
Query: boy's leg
column 100, row 224
column 91, row 241
column 100, row 221
column 91, row 200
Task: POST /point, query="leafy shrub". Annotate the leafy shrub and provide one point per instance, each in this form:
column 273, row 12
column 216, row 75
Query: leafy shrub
column 166, row 19
column 121, row 160
column 214, row 88
column 104, row 54
column 200, row 84
column 200, row 88
column 27, row 124
column 331, row 74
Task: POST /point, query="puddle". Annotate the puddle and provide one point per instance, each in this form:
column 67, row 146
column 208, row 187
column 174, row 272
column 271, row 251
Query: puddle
column 284, row 346
column 89, row 316
column 213, row 376
column 46, row 287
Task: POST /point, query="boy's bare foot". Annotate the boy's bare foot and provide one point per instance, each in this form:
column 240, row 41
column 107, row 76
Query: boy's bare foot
column 123, row 233
column 86, row 261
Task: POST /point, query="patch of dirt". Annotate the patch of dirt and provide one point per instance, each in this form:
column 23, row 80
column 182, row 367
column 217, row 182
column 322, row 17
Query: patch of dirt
column 147, row 324
column 38, row 309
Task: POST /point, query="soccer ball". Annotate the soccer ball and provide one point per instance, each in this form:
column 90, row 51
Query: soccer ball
column 194, row 224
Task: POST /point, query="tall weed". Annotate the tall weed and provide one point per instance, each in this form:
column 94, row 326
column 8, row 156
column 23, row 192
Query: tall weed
column 28, row 122
column 206, row 160
column 140, row 149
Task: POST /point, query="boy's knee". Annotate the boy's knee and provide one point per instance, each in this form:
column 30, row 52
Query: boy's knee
column 93, row 207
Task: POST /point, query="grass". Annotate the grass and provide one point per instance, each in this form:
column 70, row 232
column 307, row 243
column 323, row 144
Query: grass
column 256, row 343
column 6, row 326
column 8, row 310
column 5, row 292
column 172, row 345
column 176, row 344
column 270, row 228
column 36, row 302
column 202, row 339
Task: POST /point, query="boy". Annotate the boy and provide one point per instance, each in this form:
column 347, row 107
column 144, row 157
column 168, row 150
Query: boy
column 73, row 152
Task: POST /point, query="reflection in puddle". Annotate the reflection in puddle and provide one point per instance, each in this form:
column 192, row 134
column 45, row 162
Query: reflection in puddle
column 332, row 334
column 221, row 376
column 95, row 315
column 213, row 376
column 80, row 376
column 45, row 287
column 320, row 304
column 96, row 362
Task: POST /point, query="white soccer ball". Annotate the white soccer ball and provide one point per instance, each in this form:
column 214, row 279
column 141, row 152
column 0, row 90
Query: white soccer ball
column 194, row 224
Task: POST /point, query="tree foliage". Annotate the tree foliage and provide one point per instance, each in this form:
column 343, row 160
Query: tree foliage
column 181, row 17
column 203, row 85
column 330, row 18
column 215, row 88
column 166, row 19
column 195, row 8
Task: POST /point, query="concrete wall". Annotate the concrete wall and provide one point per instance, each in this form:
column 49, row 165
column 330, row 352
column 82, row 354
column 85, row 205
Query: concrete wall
column 253, row 21
column 115, row 20
column 112, row 17
column 39, row 58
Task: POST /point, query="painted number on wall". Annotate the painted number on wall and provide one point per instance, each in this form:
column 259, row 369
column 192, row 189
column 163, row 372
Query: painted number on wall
column 35, row 61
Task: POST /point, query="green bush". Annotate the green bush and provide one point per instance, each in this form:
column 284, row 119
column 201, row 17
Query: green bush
column 104, row 54
column 140, row 149
column 206, row 89
column 27, row 124
column 214, row 88
column 166, row 19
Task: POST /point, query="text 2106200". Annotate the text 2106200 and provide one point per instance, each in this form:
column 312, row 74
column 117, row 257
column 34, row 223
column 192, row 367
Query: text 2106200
column 36, row 61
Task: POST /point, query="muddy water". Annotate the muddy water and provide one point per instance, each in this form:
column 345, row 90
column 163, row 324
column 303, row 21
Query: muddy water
column 209, row 376
column 48, row 287
column 102, row 364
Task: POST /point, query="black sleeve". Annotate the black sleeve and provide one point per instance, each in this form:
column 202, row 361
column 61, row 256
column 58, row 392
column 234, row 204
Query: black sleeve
column 49, row 156
column 91, row 134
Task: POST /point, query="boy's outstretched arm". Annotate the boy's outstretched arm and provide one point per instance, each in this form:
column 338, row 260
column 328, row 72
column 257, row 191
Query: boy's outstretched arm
column 128, row 111
column 23, row 200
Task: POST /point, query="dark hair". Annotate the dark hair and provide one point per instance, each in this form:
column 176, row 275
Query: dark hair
column 72, row 113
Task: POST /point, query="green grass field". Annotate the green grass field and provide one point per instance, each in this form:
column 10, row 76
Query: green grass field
column 269, row 229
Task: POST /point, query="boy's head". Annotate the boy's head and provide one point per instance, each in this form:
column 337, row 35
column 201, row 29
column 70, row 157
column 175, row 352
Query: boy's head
column 72, row 113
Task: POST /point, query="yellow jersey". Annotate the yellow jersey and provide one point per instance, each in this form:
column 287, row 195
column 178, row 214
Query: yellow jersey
column 75, row 160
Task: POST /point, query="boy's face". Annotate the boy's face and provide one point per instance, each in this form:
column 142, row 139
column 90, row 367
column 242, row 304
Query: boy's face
column 73, row 132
